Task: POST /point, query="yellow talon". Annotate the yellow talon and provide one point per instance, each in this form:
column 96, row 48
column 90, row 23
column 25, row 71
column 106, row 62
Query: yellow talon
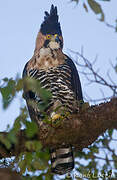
column 56, row 120
column 56, row 116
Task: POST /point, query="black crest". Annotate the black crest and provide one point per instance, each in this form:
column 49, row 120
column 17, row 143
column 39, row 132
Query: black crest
column 51, row 24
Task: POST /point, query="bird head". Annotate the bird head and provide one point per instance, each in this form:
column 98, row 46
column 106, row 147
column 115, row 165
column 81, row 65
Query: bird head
column 50, row 34
column 53, row 41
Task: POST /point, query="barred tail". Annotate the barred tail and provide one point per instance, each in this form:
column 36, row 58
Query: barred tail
column 62, row 160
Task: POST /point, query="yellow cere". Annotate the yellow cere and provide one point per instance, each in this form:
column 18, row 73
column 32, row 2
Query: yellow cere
column 55, row 35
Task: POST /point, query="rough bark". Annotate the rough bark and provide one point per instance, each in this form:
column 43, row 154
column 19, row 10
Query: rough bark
column 80, row 130
column 7, row 174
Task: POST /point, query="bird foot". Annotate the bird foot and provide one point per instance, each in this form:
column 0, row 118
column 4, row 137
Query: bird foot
column 56, row 119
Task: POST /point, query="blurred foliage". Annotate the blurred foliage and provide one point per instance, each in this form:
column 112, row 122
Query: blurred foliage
column 38, row 160
column 8, row 89
column 97, row 7
column 99, row 161
column 94, row 5
column 34, row 86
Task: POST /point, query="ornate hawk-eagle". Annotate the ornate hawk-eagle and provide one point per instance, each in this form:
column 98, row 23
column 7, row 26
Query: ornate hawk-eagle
column 56, row 72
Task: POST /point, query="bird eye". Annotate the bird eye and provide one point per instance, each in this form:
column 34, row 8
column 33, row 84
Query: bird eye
column 48, row 36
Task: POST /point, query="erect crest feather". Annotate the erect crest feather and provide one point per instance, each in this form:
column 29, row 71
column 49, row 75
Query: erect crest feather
column 51, row 24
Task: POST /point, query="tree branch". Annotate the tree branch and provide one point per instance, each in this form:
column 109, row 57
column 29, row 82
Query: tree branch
column 80, row 130
column 7, row 174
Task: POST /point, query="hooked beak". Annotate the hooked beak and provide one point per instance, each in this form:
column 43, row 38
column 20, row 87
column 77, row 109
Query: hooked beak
column 57, row 39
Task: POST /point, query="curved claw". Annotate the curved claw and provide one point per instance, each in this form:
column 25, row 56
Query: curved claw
column 56, row 116
column 56, row 120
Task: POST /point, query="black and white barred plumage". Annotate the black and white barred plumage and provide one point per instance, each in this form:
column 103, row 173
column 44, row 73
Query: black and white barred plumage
column 57, row 73
column 64, row 84
column 62, row 81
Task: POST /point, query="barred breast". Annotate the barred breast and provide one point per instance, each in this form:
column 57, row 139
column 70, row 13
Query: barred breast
column 58, row 81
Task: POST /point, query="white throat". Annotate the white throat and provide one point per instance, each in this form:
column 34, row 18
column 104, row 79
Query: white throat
column 54, row 45
column 44, row 51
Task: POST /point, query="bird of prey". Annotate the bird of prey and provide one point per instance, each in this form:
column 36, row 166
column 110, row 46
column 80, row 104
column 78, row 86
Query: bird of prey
column 57, row 73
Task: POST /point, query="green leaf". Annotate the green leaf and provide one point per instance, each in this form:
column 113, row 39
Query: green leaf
column 33, row 145
column 45, row 94
column 19, row 85
column 94, row 149
column 38, row 165
column 8, row 92
column 12, row 136
column 35, row 86
column 22, row 165
column 28, row 157
column 29, row 145
column 17, row 124
column 110, row 132
column 5, row 79
column 96, row 8
column 5, row 141
column 31, row 129
column 109, row 173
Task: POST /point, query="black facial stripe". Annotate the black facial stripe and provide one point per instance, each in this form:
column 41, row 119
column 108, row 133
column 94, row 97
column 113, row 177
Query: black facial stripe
column 46, row 43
